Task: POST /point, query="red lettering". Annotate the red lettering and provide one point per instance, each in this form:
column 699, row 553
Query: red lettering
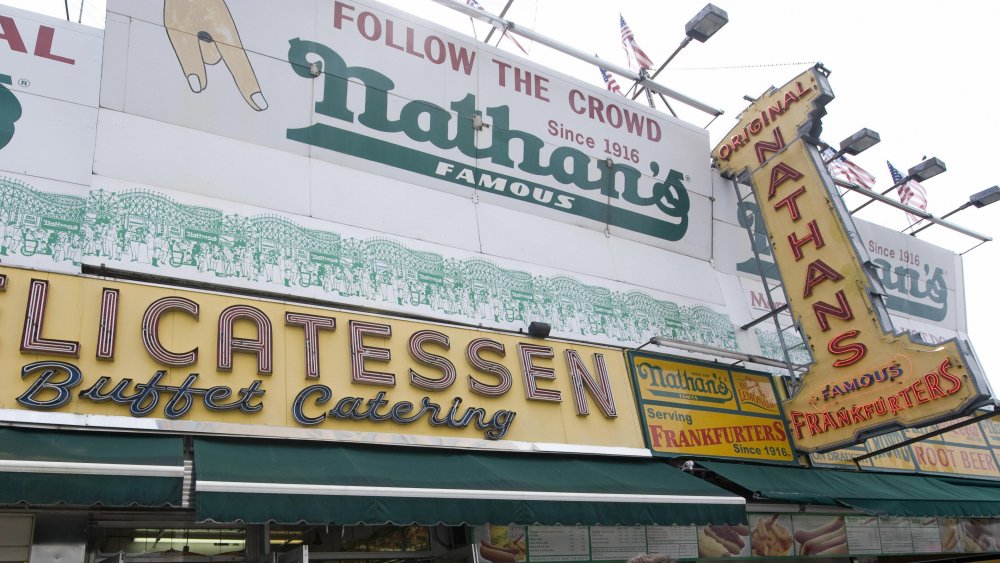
column 919, row 393
column 781, row 172
column 338, row 14
column 763, row 147
column 856, row 349
column 933, row 383
column 814, row 235
column 822, row 309
column 789, row 202
column 818, row 271
column 813, row 422
column 943, row 372
column 376, row 26
column 11, row 35
column 43, row 47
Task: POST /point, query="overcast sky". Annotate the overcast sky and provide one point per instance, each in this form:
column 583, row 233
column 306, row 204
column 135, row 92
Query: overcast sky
column 919, row 72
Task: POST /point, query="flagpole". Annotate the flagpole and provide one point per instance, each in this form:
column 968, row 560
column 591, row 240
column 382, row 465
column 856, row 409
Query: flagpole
column 576, row 53
column 503, row 13
column 664, row 65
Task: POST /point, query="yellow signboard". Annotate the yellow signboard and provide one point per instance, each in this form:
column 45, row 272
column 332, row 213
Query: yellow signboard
column 205, row 362
column 699, row 409
column 962, row 452
column 866, row 379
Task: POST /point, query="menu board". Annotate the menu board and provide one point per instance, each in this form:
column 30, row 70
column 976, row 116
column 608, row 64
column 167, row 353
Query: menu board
column 768, row 535
column 610, row 543
column 895, row 533
column 926, row 534
column 863, row 534
column 558, row 543
column 828, row 535
column 678, row 542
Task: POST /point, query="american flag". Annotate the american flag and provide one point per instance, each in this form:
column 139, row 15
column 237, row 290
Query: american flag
column 628, row 42
column 910, row 193
column 610, row 82
column 479, row 6
column 848, row 171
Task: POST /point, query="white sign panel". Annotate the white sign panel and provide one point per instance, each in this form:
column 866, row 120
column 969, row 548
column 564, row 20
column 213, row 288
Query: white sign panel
column 362, row 85
column 49, row 79
column 923, row 283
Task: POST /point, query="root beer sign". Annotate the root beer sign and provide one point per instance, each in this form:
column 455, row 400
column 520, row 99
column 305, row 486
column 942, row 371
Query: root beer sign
column 866, row 379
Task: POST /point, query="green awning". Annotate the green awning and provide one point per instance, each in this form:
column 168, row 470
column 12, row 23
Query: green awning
column 259, row 481
column 46, row 467
column 871, row 493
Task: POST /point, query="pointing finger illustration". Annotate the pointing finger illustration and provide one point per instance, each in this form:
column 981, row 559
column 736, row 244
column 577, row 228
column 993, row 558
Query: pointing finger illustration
column 203, row 32
column 239, row 65
column 189, row 55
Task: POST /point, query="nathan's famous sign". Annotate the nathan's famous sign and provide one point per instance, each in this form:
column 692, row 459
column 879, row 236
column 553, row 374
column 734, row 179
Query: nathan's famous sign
column 129, row 355
column 866, row 379
column 374, row 88
column 695, row 408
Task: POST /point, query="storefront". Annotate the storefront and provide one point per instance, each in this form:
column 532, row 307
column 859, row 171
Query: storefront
column 295, row 323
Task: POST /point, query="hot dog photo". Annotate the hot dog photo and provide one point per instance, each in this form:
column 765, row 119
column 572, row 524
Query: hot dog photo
column 501, row 544
column 724, row 540
column 820, row 535
column 771, row 535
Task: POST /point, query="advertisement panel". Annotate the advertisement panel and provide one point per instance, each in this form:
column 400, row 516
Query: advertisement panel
column 866, row 379
column 137, row 228
column 922, row 281
column 968, row 451
column 365, row 86
column 819, row 535
column 94, row 352
column 49, row 79
column 700, row 409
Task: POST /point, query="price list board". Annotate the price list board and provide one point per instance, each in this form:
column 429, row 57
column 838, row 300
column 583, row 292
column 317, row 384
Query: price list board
column 614, row 543
column 926, row 533
column 895, row 534
column 558, row 543
column 678, row 542
column 862, row 534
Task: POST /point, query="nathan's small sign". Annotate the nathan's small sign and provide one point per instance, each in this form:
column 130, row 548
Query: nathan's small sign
column 866, row 379
column 694, row 408
column 204, row 362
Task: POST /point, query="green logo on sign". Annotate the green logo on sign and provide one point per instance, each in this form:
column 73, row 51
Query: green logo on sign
column 425, row 122
column 10, row 111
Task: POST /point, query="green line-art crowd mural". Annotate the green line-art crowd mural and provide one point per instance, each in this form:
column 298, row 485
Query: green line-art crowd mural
column 141, row 227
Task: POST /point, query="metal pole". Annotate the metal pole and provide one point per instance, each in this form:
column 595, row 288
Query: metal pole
column 503, row 12
column 913, row 210
column 665, row 63
column 649, row 95
column 577, row 54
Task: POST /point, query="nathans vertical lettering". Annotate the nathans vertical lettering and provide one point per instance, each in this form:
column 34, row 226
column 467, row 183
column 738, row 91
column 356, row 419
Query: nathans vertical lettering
column 865, row 379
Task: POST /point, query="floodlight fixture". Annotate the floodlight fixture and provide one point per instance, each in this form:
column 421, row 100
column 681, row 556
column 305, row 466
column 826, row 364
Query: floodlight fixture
column 985, row 197
column 926, row 169
column 859, row 142
column 539, row 329
column 977, row 200
column 923, row 171
column 856, row 144
column 709, row 20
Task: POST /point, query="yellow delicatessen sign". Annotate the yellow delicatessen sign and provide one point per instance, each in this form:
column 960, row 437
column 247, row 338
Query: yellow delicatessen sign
column 154, row 357
column 700, row 409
